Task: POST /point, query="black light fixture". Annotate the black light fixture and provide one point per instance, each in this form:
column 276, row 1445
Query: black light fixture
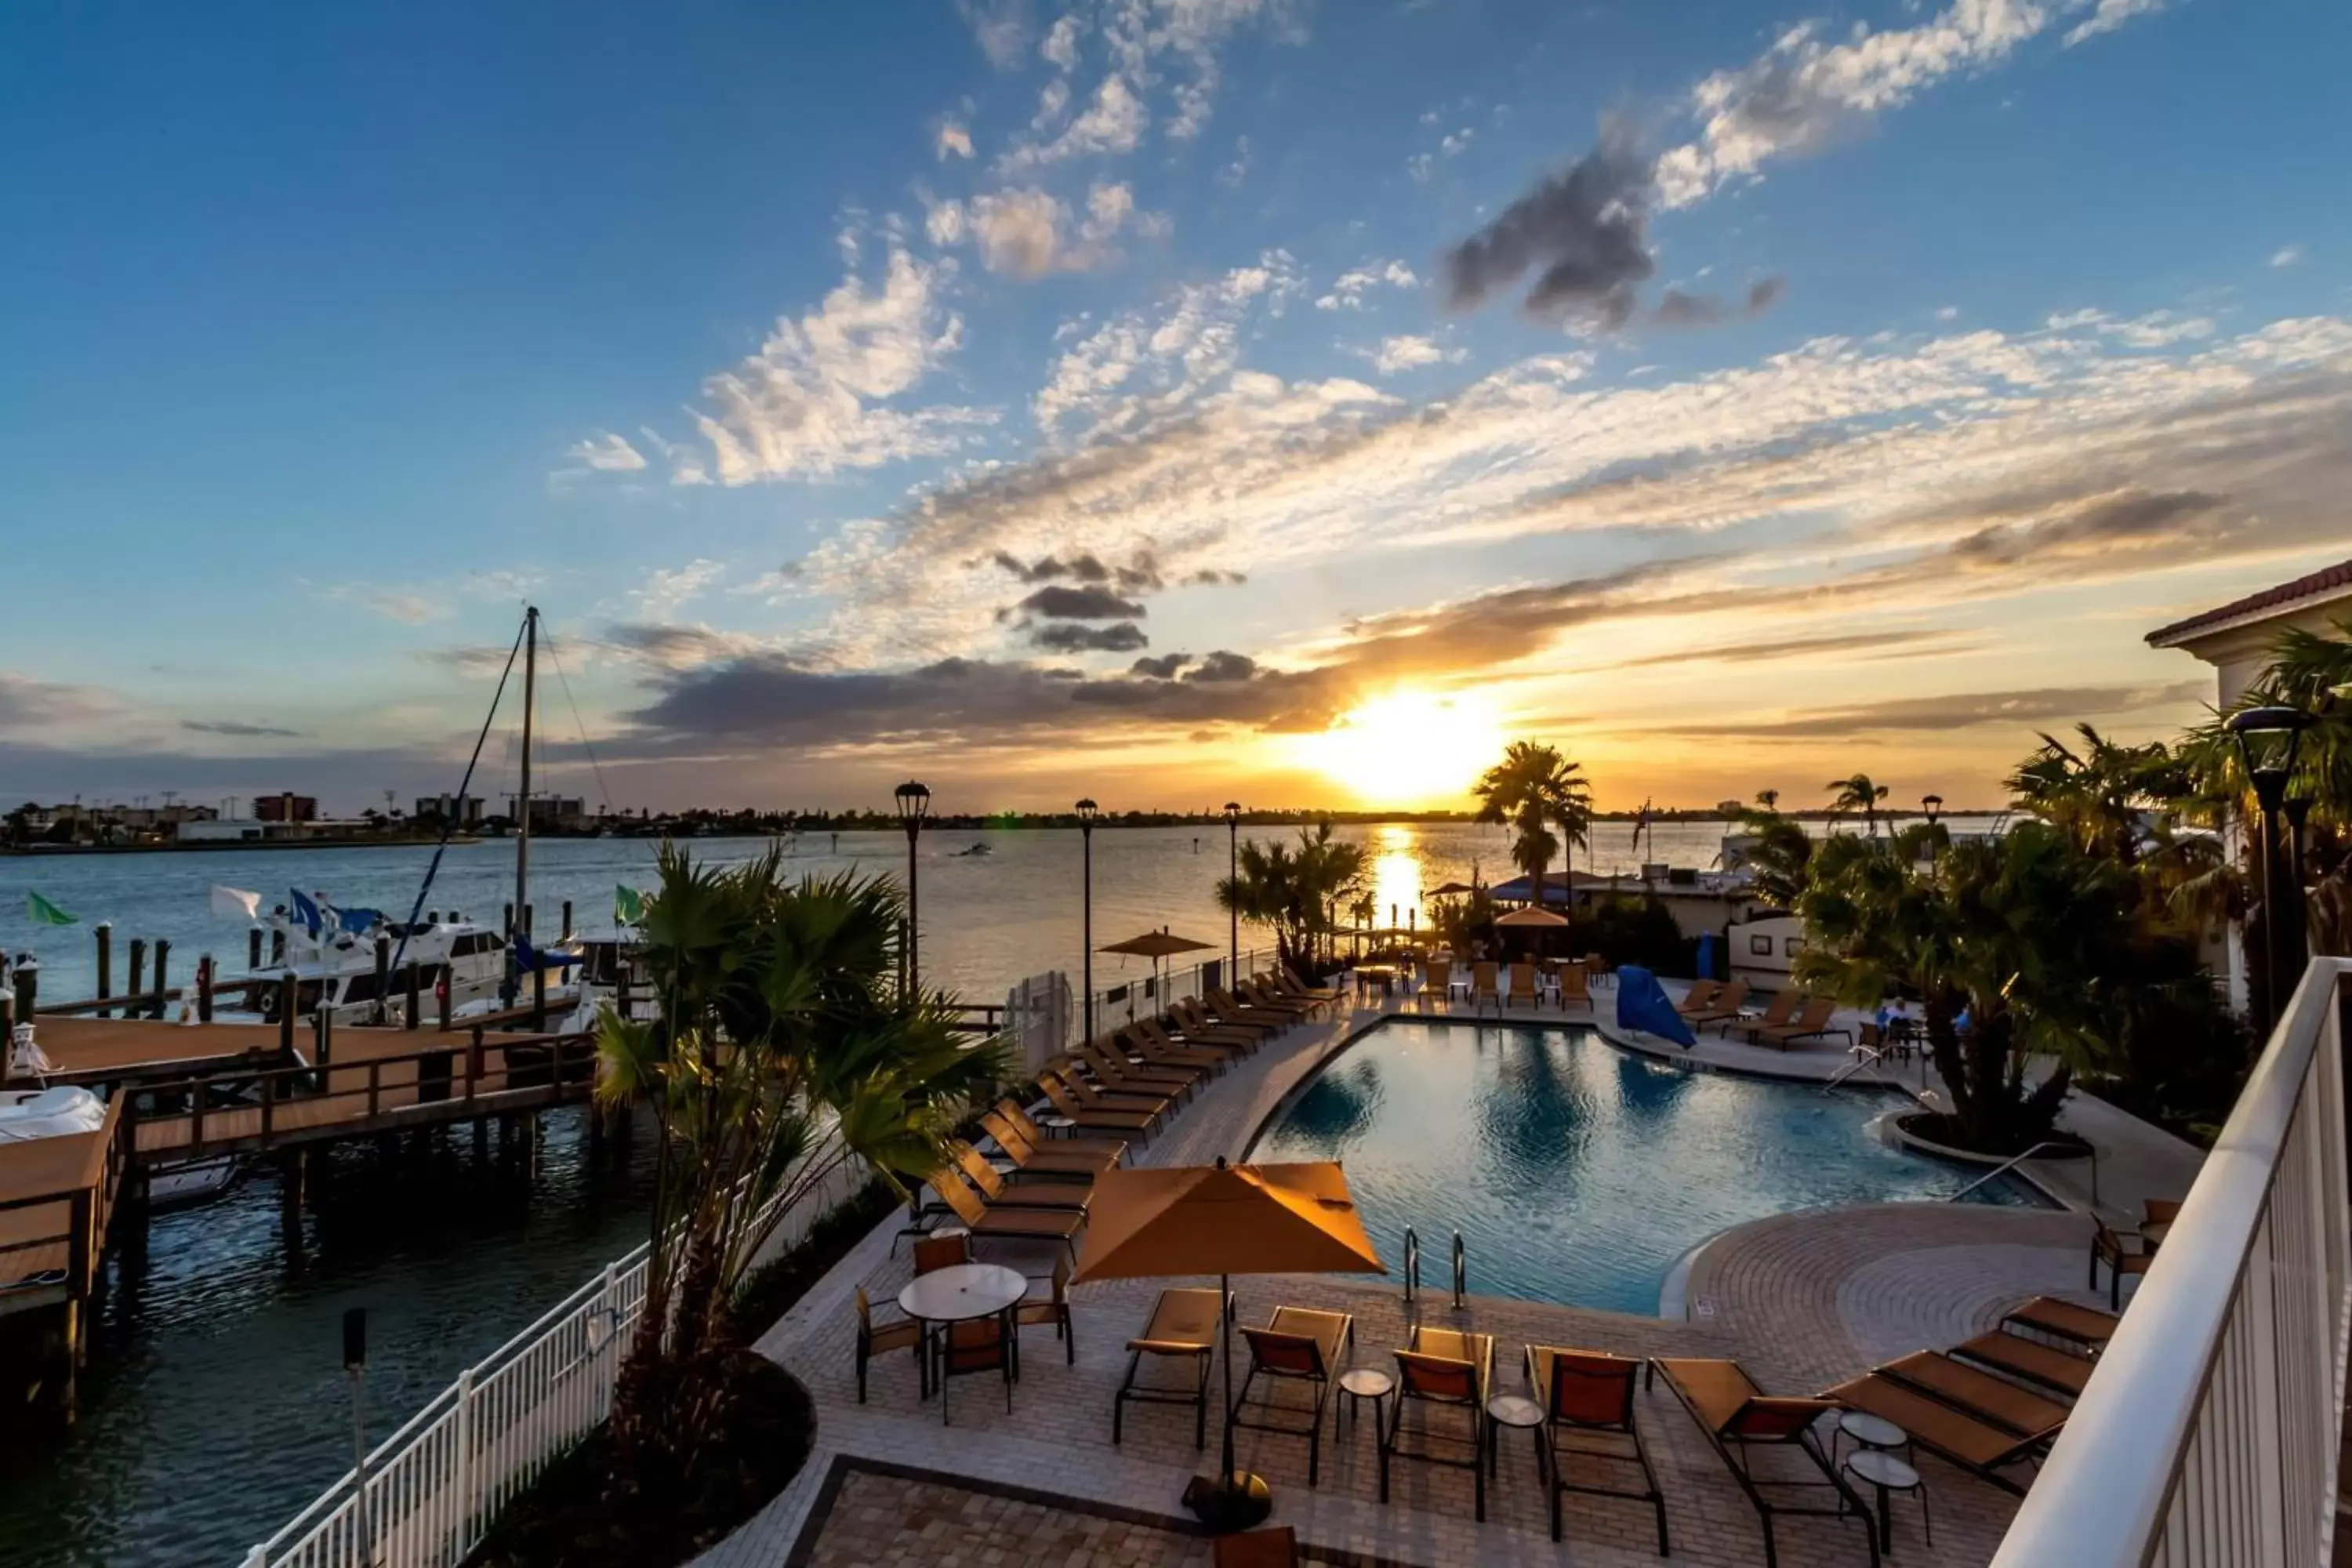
column 1933, row 804
column 2269, row 737
column 1087, row 811
column 1233, row 877
column 914, row 805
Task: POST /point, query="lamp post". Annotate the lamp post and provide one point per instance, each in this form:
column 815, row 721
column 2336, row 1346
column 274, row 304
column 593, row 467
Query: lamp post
column 1234, row 880
column 2268, row 738
column 1086, row 811
column 1933, row 804
column 914, row 805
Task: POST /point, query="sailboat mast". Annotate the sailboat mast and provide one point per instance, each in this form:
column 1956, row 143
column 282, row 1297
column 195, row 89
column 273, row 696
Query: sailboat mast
column 523, row 827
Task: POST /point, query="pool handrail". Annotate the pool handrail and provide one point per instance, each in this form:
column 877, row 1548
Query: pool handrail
column 2016, row 1160
column 1460, row 1271
column 1412, row 1265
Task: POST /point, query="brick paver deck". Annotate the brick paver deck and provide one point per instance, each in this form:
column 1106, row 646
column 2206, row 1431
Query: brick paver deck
column 1802, row 1301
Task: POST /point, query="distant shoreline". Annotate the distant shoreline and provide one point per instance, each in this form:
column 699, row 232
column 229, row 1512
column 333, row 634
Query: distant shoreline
column 69, row 851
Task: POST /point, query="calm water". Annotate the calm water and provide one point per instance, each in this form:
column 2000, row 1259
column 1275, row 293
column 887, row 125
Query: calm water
column 215, row 1405
column 1576, row 1173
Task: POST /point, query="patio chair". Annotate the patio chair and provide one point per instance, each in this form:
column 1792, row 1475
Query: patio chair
column 1064, row 1163
column 1701, row 997
column 979, row 1345
column 1275, row 1548
column 2161, row 1211
column 1197, row 1014
column 1434, row 985
column 1981, row 1447
column 1298, row 1346
column 1724, row 1009
column 1018, row 1114
column 1117, row 1074
column 1194, row 1026
column 1298, row 987
column 1161, row 1054
column 1482, row 988
column 1811, row 1023
column 1092, row 1114
column 1091, row 1090
column 2121, row 1257
column 890, row 1334
column 1523, row 991
column 2062, row 1320
column 1183, row 1328
column 1007, row 1222
column 1257, row 992
column 1054, row 1308
column 1587, row 1398
column 1574, row 986
column 2031, row 1360
column 1740, row 1419
column 1443, row 1369
column 1777, row 1012
column 941, row 1252
column 1071, row 1195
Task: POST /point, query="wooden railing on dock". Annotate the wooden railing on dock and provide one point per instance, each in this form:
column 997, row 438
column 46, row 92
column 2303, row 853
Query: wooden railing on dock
column 57, row 1198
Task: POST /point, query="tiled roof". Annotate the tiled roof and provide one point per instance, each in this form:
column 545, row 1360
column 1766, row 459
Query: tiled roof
column 2328, row 578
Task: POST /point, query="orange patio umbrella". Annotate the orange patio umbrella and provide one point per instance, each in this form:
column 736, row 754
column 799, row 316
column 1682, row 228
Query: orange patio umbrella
column 1155, row 945
column 1221, row 1219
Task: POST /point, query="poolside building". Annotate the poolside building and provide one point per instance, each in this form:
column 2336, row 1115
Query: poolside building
column 2236, row 638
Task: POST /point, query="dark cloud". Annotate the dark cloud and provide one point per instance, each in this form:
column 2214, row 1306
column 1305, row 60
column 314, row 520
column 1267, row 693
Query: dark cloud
column 1065, row 637
column 235, row 727
column 1583, row 231
column 1676, row 309
column 1894, row 644
column 674, row 646
column 1765, row 293
column 1092, row 604
column 477, row 660
column 1223, row 665
column 1967, row 710
column 1139, row 575
column 26, row 702
column 2133, row 519
column 1210, row 577
column 1162, row 667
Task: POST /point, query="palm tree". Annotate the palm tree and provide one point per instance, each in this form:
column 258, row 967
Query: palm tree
column 783, row 1051
column 2097, row 794
column 1776, row 857
column 1537, row 791
column 1769, row 799
column 1857, row 794
column 1293, row 890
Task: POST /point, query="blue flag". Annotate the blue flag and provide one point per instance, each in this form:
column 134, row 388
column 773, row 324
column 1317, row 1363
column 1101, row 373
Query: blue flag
column 358, row 922
column 306, row 912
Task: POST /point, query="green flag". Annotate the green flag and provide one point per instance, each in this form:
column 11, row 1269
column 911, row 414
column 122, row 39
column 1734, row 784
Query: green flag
column 42, row 912
column 628, row 906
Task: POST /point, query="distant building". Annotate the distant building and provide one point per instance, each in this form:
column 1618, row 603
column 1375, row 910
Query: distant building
column 217, row 830
column 285, row 808
column 2236, row 638
column 551, row 810
column 466, row 811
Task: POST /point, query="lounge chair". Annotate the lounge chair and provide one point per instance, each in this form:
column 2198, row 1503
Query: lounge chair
column 1117, row 1074
column 996, row 1189
column 1275, row 1548
column 1482, row 988
column 1298, row 987
column 1723, row 1010
column 1523, row 991
column 2062, row 1320
column 1297, row 1345
column 1054, row 1308
column 2029, row 1360
column 1092, row 1089
column 890, row 1334
column 2121, row 1256
column 1183, row 1328
column 1994, row 1400
column 1070, row 1164
column 1777, row 1012
column 1587, row 1398
column 1007, row 1222
column 1444, row 1369
column 1222, row 1008
column 1436, row 985
column 1974, row 1444
column 1161, row 1054
column 1811, row 1023
column 1255, row 992
column 1701, row 997
column 1014, row 1115
column 1739, row 1418
column 1193, row 1027
column 1085, row 1109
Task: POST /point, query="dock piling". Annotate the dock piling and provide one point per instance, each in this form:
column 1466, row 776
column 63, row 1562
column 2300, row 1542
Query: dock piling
column 252, row 948
column 138, row 971
column 411, row 1015
column 204, row 988
column 277, row 946
column 567, row 920
column 382, row 976
column 104, row 932
column 162, row 983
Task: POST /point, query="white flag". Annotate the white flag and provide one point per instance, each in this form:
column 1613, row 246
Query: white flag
column 235, row 902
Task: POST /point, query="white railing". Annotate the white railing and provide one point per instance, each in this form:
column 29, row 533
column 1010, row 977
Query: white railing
column 2208, row 1434
column 435, row 1486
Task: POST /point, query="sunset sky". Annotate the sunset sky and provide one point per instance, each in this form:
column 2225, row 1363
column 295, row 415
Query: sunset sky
column 1160, row 400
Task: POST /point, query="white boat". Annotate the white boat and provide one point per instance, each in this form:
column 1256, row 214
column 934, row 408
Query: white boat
column 336, row 970
column 192, row 1182
column 605, row 954
column 28, row 1114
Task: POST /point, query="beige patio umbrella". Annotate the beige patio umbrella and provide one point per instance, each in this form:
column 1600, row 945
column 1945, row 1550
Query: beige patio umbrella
column 1532, row 919
column 1156, row 945
column 1222, row 1219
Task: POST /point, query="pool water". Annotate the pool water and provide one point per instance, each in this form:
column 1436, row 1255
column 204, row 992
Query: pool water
column 1576, row 1173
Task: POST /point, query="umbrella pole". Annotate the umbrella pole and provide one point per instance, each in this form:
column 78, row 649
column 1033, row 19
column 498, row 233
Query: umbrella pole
column 1233, row 1501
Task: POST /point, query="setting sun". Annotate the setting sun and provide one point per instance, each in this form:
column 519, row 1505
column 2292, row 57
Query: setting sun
column 1410, row 748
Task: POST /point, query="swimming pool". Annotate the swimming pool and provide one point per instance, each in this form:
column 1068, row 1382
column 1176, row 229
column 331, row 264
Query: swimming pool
column 1576, row 1173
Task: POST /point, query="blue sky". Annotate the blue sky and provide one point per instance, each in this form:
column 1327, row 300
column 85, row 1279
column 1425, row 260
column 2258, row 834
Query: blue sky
column 1860, row 381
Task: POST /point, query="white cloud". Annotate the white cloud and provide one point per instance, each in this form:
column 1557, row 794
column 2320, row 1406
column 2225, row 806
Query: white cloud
column 1458, row 142
column 411, row 605
column 1347, row 289
column 1018, row 232
column 1408, row 352
column 607, row 454
column 2158, row 329
column 2108, row 17
column 1000, row 27
column 1421, row 166
column 817, row 397
column 1233, row 174
column 685, row 464
column 1139, row 365
column 2286, row 256
column 668, row 588
column 1028, row 232
column 1947, row 313
column 1113, row 123
column 953, row 141
column 1061, row 46
column 1805, row 91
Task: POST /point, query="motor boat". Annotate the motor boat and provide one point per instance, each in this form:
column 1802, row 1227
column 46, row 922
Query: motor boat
column 334, row 967
column 28, row 1114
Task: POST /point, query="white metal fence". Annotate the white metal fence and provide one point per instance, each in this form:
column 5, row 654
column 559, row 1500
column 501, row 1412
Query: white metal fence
column 1149, row 994
column 434, row 1487
column 2208, row 1433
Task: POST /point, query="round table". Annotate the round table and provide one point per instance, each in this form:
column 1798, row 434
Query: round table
column 1515, row 1411
column 1879, row 1469
column 1366, row 1382
column 962, row 1291
column 1053, row 1122
column 1873, row 1431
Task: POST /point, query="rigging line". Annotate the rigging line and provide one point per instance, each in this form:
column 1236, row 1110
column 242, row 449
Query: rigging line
column 449, row 821
column 565, row 681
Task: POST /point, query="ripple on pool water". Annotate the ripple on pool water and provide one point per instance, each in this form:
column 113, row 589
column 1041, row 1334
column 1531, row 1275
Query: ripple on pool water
column 1576, row 1173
